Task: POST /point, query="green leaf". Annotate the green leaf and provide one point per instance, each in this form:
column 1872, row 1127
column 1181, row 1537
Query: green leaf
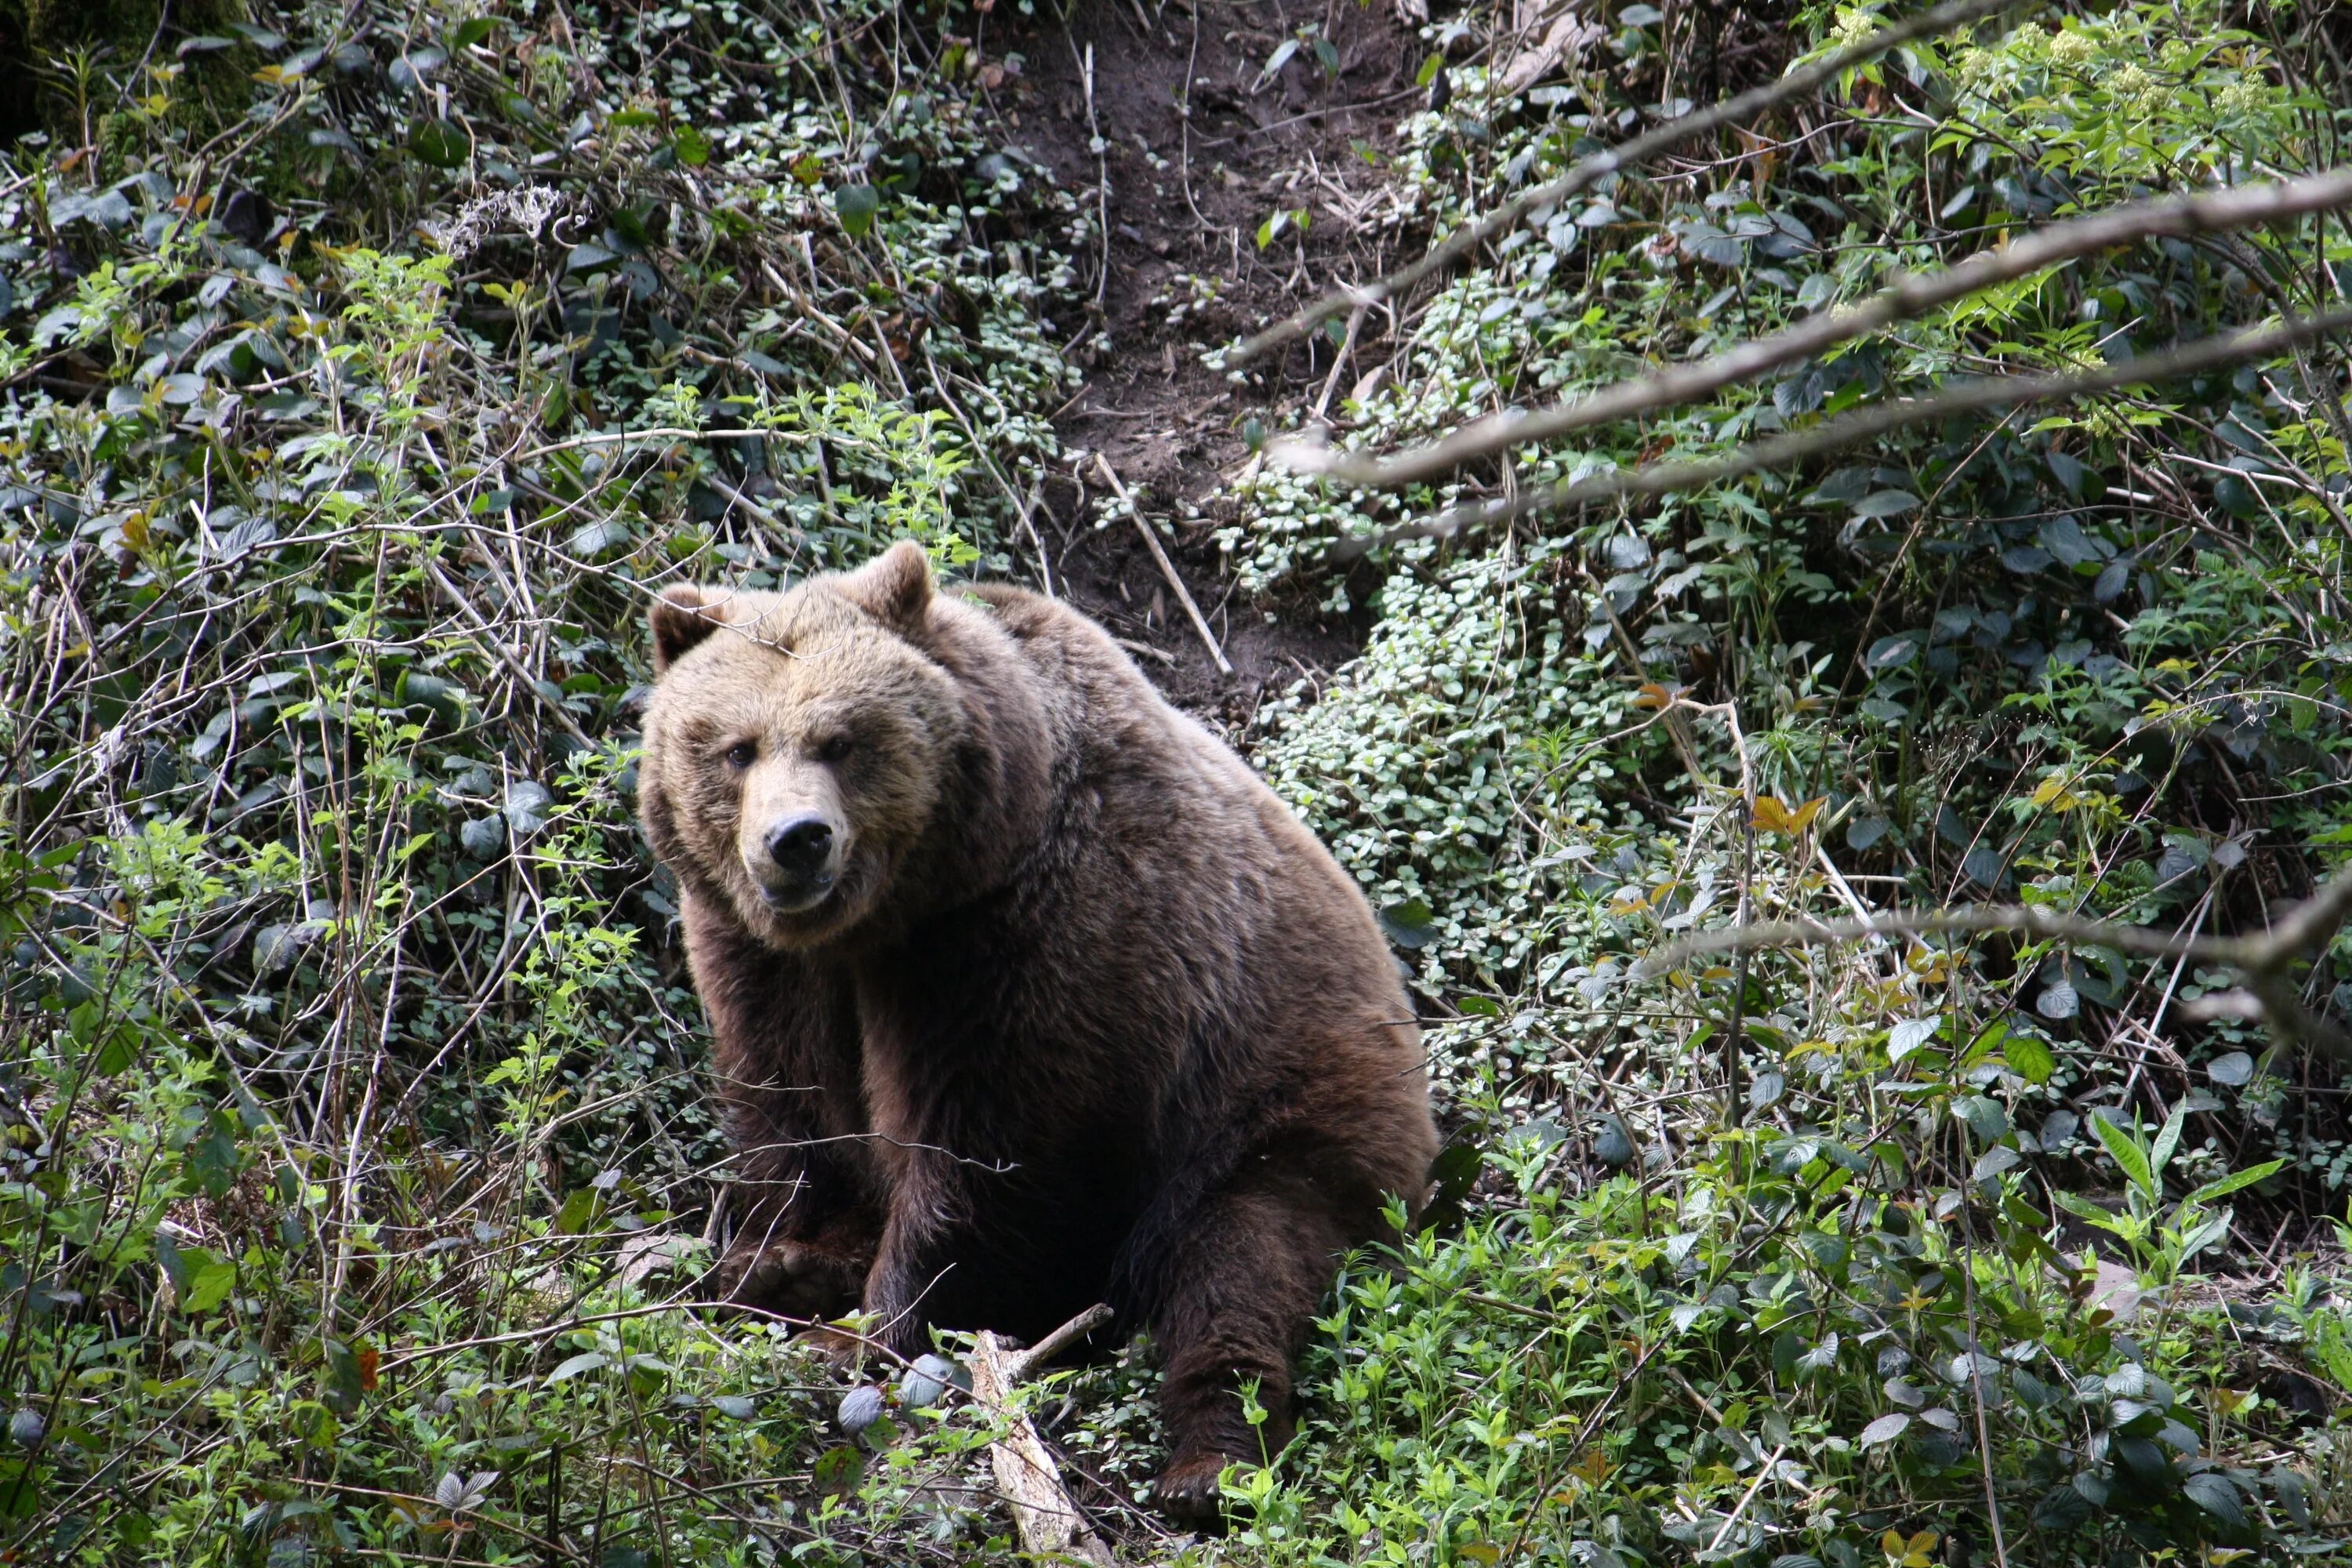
column 2166, row 1139
column 210, row 1279
column 2127, row 1152
column 2075, row 1203
column 345, row 1380
column 693, row 146
column 1411, row 924
column 441, row 143
column 840, row 1469
column 2205, row 1234
column 2235, row 1181
column 2211, row 1490
column 1911, row 1033
column 213, row 1160
column 578, row 1211
column 2030, row 1056
column 1885, row 1429
column 469, row 32
column 587, row 1362
column 856, row 205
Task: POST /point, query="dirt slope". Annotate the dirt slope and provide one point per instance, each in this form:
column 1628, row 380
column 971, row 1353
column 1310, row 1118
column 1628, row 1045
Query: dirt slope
column 1198, row 145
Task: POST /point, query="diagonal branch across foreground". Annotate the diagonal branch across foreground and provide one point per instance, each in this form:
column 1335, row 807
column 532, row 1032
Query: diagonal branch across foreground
column 1908, row 297
column 2216, row 353
column 1627, row 154
column 2263, row 961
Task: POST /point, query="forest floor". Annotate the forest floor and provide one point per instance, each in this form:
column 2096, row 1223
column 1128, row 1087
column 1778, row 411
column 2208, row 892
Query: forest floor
column 1200, row 143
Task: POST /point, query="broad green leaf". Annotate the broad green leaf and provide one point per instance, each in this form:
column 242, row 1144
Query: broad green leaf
column 2075, row 1204
column 855, row 207
column 2030, row 1058
column 2236, row 1179
column 2126, row 1151
column 2168, row 1139
column 1885, row 1429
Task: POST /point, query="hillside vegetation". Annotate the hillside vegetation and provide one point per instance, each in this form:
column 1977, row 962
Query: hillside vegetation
column 364, row 366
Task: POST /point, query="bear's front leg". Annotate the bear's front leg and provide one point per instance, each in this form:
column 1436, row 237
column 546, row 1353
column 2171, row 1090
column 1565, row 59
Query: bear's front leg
column 1240, row 1299
column 914, row 1259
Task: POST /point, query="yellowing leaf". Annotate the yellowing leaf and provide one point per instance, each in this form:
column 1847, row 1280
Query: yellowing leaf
column 2053, row 793
column 1774, row 815
column 1654, row 695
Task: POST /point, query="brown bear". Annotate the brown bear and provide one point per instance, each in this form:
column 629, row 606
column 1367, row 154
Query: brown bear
column 1027, row 993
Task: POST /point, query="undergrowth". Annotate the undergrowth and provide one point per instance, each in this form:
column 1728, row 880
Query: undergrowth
column 359, row 1169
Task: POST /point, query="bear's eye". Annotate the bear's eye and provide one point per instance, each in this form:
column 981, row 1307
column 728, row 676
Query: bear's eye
column 743, row 755
column 832, row 750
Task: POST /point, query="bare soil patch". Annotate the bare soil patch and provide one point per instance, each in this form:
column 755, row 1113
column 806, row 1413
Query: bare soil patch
column 1172, row 121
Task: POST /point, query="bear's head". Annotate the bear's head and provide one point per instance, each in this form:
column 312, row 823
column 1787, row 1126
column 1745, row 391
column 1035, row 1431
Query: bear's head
column 798, row 744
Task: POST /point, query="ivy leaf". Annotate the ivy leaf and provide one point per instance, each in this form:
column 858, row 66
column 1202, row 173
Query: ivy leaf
column 2231, row 1070
column 1885, row 1429
column 855, row 207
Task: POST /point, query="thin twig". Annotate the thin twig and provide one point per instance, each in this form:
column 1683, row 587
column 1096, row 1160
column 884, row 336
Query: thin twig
column 2262, row 961
column 1167, row 567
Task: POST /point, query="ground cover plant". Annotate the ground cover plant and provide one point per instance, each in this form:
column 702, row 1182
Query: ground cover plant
column 365, row 366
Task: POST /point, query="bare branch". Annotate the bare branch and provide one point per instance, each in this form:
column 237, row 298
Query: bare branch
column 2262, row 961
column 1968, row 397
column 1601, row 165
column 1906, row 300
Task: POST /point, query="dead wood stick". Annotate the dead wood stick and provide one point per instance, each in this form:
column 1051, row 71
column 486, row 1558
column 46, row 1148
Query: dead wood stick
column 1167, row 567
column 1049, row 1523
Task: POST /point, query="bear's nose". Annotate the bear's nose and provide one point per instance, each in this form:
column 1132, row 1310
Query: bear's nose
column 801, row 845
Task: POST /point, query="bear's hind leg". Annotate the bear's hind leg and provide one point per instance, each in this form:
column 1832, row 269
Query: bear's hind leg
column 1240, row 1297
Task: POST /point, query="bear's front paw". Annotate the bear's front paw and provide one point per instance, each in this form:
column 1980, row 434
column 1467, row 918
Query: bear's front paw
column 1188, row 1493
column 790, row 1279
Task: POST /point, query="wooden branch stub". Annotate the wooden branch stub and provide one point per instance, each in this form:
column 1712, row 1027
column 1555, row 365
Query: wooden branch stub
column 1049, row 1523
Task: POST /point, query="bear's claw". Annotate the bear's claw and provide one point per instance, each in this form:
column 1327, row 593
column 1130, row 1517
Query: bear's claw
column 1187, row 1491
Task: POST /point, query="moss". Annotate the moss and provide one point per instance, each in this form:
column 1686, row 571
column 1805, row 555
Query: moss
column 39, row 38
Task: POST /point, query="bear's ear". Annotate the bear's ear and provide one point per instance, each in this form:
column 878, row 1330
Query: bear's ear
column 681, row 617
column 895, row 587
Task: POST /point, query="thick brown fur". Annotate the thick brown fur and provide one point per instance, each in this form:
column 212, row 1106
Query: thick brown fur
column 1084, row 1013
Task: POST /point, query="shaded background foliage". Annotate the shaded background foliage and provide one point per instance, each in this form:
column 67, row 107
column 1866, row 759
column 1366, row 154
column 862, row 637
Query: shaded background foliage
column 366, row 366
